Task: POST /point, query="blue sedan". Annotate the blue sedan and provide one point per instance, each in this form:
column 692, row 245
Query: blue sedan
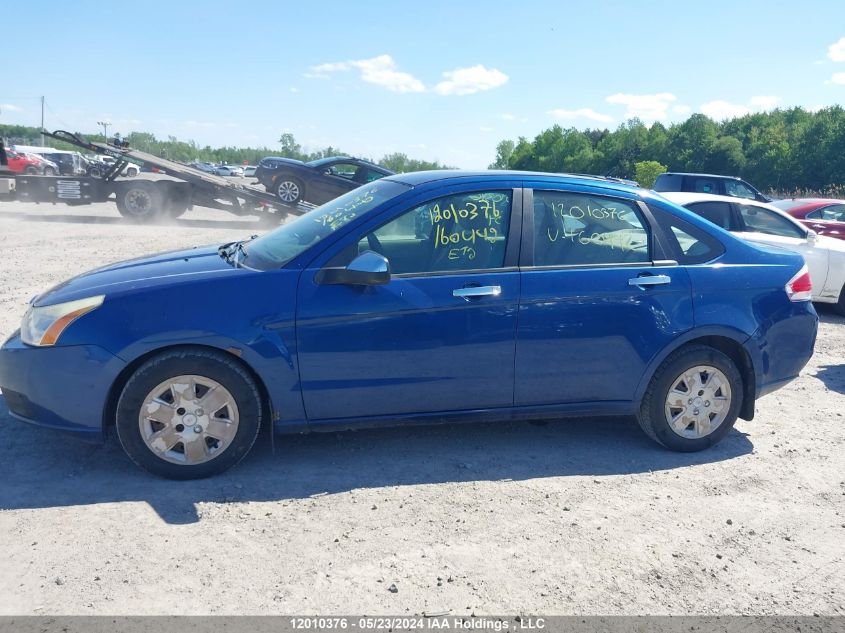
column 420, row 297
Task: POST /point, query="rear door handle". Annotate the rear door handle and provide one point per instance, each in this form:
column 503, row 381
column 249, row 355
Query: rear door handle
column 650, row 280
column 472, row 292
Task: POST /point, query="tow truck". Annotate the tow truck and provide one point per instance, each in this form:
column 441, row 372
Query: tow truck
column 141, row 199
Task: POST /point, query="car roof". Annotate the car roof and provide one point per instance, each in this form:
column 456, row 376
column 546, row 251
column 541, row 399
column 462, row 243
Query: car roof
column 416, row 178
column 686, row 197
column 685, row 173
column 800, row 203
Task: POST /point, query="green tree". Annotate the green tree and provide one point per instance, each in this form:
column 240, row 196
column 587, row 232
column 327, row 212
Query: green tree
column 504, row 152
column 290, row 148
column 647, row 171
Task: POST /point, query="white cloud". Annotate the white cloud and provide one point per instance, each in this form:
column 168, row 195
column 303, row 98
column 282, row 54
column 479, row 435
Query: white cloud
column 681, row 109
column 9, row 107
column 721, row 110
column 646, row 107
column 467, row 81
column 836, row 51
column 581, row 113
column 837, row 78
column 507, row 116
column 204, row 124
column 764, row 102
column 380, row 71
column 294, row 89
column 322, row 69
column 484, row 128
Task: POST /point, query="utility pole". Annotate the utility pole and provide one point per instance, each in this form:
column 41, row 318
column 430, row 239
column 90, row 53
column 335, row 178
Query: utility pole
column 105, row 125
column 42, row 121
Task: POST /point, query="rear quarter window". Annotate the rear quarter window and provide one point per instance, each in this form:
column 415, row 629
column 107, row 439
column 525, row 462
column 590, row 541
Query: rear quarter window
column 687, row 244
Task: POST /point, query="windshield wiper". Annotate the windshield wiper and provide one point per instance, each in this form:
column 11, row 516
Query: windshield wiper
column 234, row 252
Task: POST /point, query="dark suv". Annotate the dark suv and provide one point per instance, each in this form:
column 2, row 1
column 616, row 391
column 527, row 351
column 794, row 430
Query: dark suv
column 318, row 181
column 708, row 183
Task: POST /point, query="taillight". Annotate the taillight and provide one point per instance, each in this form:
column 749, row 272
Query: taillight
column 800, row 287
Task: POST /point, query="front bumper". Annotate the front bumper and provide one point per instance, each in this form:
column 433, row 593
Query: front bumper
column 63, row 387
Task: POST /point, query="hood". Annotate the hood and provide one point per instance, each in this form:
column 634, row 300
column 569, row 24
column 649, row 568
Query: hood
column 144, row 272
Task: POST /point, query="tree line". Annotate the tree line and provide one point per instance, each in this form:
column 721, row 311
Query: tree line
column 188, row 151
column 784, row 150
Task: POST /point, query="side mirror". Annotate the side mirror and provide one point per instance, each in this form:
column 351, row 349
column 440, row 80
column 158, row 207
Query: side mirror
column 811, row 235
column 368, row 269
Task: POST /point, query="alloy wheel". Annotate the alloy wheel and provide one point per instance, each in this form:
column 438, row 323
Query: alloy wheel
column 288, row 191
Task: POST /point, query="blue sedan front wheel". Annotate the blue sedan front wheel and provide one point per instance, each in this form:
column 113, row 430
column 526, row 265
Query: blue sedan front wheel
column 188, row 413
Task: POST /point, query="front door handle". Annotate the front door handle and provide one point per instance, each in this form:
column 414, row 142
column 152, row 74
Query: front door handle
column 471, row 292
column 650, row 280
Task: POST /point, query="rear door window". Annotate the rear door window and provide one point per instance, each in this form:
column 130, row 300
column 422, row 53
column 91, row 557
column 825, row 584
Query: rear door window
column 577, row 229
column 761, row 220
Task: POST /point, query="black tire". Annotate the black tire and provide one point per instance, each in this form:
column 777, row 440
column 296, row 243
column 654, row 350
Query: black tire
column 131, row 172
column 206, row 363
column 288, row 189
column 177, row 199
column 141, row 201
column 176, row 209
column 652, row 415
column 49, row 171
column 31, row 171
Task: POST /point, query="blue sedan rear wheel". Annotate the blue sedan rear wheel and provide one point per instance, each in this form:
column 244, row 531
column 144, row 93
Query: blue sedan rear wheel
column 188, row 413
column 693, row 399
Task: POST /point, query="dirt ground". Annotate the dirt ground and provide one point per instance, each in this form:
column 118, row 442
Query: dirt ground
column 584, row 516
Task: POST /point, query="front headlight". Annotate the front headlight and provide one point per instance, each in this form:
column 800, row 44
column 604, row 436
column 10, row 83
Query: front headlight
column 44, row 325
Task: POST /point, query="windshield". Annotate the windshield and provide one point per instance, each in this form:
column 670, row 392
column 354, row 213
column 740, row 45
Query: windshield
column 276, row 248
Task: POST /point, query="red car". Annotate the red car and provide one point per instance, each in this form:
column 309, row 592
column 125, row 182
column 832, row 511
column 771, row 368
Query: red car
column 823, row 215
column 23, row 164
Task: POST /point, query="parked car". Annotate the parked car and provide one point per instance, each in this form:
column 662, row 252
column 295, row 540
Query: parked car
column 68, row 163
column 422, row 297
column 824, row 216
column 249, row 171
column 765, row 223
column 229, row 170
column 23, row 163
column 318, row 181
column 206, row 167
column 100, row 165
column 708, row 183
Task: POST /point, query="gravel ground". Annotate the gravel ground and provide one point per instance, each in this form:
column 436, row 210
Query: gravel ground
column 585, row 516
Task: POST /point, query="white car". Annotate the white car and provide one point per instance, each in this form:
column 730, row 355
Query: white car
column 249, row 171
column 762, row 222
column 229, row 170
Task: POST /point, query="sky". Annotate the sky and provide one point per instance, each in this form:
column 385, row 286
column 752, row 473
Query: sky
column 437, row 80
